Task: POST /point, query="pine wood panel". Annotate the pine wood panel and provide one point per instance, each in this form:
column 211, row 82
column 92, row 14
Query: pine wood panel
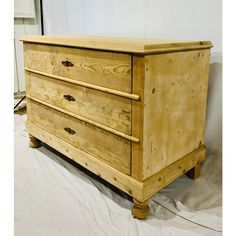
column 137, row 116
column 89, row 103
column 111, row 70
column 141, row 191
column 96, row 124
column 167, row 175
column 87, row 85
column 123, row 181
column 133, row 111
column 130, row 45
column 175, row 92
column 89, row 138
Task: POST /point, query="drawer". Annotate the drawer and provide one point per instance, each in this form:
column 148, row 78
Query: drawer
column 105, row 108
column 106, row 69
column 104, row 145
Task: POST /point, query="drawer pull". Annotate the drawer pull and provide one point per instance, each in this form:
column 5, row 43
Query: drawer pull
column 67, row 63
column 69, row 130
column 69, row 98
column 87, row 85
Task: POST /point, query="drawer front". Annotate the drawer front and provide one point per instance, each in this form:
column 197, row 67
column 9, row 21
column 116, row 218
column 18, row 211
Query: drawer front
column 108, row 109
column 104, row 145
column 106, row 69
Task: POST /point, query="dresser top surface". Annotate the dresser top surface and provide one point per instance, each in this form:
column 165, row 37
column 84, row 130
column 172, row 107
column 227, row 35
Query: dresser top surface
column 128, row 45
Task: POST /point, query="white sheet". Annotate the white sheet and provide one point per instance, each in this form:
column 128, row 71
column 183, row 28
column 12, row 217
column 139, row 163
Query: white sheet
column 52, row 197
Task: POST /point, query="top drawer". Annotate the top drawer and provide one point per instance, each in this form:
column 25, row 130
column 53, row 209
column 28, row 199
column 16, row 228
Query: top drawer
column 106, row 69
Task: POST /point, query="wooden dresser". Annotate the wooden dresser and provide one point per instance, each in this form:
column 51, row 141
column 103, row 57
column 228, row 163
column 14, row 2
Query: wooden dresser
column 132, row 111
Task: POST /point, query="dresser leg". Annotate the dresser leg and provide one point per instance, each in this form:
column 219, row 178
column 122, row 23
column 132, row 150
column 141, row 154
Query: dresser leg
column 34, row 142
column 194, row 173
column 140, row 210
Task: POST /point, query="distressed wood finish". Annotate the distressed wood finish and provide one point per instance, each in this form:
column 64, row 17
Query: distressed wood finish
column 137, row 116
column 140, row 191
column 132, row 111
column 87, row 85
column 89, row 103
column 81, row 118
column 128, row 184
column 100, row 68
column 175, row 94
column 127, row 45
column 167, row 175
column 83, row 135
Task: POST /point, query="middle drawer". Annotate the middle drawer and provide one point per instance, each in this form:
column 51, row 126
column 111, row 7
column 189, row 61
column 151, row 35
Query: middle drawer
column 105, row 108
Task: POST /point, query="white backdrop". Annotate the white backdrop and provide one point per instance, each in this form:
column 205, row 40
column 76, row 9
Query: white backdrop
column 168, row 19
column 53, row 197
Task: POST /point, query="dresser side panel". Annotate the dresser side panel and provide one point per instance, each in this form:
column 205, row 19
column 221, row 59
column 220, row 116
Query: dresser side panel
column 175, row 94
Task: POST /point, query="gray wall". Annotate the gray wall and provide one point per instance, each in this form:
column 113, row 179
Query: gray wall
column 24, row 26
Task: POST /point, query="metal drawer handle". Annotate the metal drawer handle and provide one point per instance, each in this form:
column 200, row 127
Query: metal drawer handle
column 67, row 63
column 69, row 98
column 69, row 130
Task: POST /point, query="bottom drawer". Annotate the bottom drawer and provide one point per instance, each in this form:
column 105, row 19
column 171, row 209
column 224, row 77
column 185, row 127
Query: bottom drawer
column 104, row 145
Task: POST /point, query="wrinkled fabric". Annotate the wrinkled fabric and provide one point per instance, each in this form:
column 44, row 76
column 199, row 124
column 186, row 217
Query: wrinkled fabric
column 53, row 197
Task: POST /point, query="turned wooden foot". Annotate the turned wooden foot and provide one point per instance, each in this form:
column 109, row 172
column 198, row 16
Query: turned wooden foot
column 34, row 142
column 194, row 173
column 140, row 210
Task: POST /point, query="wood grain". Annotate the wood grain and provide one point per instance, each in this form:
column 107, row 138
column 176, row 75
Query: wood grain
column 127, row 45
column 140, row 191
column 167, row 175
column 132, row 111
column 175, row 94
column 81, row 118
column 87, row 85
column 137, row 117
column 111, row 70
column 87, row 137
column 89, row 103
column 126, row 183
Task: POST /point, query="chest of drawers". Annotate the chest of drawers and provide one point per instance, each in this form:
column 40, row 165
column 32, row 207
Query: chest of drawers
column 132, row 111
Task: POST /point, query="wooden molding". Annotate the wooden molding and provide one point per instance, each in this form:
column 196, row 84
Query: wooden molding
column 128, row 137
column 92, row 86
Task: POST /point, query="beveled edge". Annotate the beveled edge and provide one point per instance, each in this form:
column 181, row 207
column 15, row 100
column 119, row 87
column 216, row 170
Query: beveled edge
column 96, row 43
